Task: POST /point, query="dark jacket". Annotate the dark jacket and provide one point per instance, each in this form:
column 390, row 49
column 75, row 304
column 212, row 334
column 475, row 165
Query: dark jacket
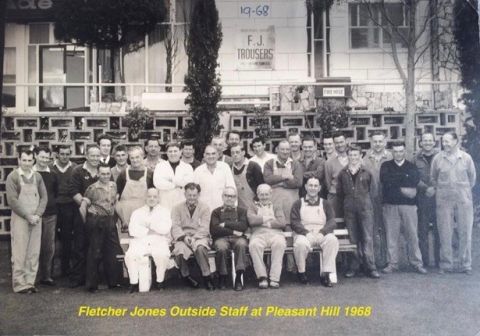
column 394, row 177
column 423, row 167
column 296, row 220
column 350, row 189
column 234, row 219
column 51, row 184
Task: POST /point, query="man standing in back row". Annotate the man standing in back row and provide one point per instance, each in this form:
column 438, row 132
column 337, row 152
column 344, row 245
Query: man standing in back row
column 454, row 175
column 399, row 179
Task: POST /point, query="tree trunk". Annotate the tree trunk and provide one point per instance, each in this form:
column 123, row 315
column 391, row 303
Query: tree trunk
column 409, row 83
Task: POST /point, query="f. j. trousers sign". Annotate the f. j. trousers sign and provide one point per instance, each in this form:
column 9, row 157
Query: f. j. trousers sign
column 255, row 48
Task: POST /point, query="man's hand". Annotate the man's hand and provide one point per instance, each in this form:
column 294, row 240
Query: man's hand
column 188, row 240
column 310, row 236
column 430, row 192
column 237, row 233
column 409, row 192
column 32, row 219
column 222, row 225
column 124, row 228
column 83, row 212
column 287, row 175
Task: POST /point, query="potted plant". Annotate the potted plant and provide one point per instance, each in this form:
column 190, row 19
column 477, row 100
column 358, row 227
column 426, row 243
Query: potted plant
column 137, row 119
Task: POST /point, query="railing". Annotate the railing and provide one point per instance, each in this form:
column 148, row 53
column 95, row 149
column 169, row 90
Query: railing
column 277, row 96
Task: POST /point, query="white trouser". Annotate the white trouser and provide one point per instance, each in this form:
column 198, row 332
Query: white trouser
column 302, row 245
column 136, row 258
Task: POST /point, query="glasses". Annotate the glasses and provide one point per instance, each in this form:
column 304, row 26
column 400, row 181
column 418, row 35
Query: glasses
column 230, row 196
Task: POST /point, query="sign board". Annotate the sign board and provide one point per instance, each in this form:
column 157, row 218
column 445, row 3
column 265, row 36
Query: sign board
column 333, row 92
column 255, row 48
column 29, row 10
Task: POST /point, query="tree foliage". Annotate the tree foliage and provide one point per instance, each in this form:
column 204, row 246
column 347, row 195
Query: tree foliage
column 202, row 81
column 331, row 116
column 468, row 45
column 106, row 24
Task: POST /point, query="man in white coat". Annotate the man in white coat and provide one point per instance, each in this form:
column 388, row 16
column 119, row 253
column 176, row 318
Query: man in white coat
column 213, row 177
column 171, row 176
column 150, row 228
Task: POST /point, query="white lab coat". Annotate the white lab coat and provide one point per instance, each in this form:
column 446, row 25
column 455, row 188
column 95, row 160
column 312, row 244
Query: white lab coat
column 213, row 184
column 171, row 183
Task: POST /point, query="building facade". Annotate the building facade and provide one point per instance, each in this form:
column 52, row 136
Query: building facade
column 283, row 56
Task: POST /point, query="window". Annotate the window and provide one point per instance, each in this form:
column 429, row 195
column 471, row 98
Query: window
column 365, row 22
column 9, row 76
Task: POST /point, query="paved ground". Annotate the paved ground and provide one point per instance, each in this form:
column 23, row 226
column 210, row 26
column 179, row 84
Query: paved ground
column 402, row 304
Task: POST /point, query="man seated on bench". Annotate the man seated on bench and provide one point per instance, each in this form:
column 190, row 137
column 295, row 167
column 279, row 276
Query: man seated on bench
column 191, row 234
column 228, row 224
column 313, row 222
column 150, row 228
column 267, row 221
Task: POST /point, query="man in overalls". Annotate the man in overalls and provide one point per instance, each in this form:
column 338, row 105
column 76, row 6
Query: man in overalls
column 313, row 221
column 353, row 188
column 171, row 176
column 285, row 176
column 132, row 186
column 267, row 221
column 247, row 175
column 27, row 197
column 453, row 174
column 372, row 161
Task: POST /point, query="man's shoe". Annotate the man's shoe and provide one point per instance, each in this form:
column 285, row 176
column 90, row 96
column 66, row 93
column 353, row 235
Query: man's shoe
column 133, row 288
column 350, row 274
column 274, row 284
column 238, row 284
column 263, row 283
column 77, row 284
column 93, row 290
column 389, row 269
column 116, row 286
column 374, row 274
column 420, row 270
column 468, row 272
column 222, row 281
column 302, row 277
column 159, row 286
column 25, row 291
column 189, row 281
column 208, row 283
column 325, row 280
column 33, row 289
column 48, row 282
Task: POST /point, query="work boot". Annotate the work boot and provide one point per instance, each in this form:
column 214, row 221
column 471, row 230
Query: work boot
column 133, row 288
column 325, row 280
column 238, row 281
column 302, row 277
column 222, row 281
column 189, row 281
column 207, row 281
column 159, row 286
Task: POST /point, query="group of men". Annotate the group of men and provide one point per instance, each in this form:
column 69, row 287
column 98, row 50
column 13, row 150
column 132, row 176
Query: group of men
column 233, row 202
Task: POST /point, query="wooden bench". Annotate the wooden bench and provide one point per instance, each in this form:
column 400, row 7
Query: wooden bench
column 345, row 246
